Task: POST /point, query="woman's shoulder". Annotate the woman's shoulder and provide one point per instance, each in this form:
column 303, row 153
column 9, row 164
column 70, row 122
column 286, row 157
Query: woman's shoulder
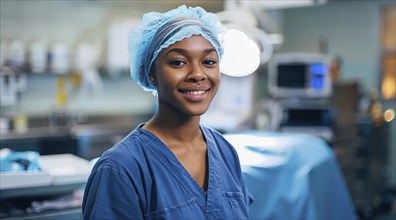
column 128, row 146
column 127, row 154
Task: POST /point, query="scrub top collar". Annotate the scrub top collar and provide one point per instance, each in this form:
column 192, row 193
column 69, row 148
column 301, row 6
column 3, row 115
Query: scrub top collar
column 206, row 200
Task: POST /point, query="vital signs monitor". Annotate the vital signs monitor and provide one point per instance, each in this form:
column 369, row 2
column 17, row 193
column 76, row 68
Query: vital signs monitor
column 299, row 75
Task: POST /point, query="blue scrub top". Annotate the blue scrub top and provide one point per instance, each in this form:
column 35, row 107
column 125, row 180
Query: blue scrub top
column 140, row 178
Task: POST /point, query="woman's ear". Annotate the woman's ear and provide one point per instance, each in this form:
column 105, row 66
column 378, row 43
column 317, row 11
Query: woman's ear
column 153, row 79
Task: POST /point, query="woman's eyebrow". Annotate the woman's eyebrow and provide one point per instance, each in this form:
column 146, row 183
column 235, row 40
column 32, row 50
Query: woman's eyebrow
column 210, row 50
column 184, row 51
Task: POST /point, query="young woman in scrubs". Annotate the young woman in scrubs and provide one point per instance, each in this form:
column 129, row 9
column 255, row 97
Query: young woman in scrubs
column 172, row 167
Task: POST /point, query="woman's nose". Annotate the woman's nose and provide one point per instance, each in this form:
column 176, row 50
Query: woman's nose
column 196, row 74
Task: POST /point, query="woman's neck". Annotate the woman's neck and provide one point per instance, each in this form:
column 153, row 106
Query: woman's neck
column 175, row 128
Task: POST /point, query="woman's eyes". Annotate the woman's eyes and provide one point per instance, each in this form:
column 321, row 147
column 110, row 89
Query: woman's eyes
column 210, row 62
column 177, row 63
column 180, row 63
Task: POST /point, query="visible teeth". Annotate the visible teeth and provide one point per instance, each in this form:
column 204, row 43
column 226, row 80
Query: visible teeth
column 194, row 92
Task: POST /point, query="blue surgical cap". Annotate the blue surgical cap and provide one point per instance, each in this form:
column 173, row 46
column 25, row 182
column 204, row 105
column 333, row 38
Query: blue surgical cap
column 158, row 31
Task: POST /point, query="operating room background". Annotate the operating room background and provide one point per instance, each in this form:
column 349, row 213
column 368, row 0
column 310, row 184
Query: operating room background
column 350, row 29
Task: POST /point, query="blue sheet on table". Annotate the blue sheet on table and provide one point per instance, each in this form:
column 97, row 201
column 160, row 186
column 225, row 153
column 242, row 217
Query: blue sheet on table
column 292, row 176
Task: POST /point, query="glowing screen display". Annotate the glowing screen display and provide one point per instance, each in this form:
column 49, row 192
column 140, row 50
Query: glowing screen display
column 292, row 75
column 318, row 69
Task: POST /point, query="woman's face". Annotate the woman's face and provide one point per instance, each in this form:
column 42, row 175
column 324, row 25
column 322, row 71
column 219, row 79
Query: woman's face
column 187, row 76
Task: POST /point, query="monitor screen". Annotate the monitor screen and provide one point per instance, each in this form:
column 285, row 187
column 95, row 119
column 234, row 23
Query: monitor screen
column 312, row 117
column 292, row 75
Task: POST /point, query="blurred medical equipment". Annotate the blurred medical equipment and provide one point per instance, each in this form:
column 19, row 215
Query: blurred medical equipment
column 12, row 82
column 116, row 53
column 301, row 85
column 8, row 95
column 63, row 202
column 18, row 161
column 28, row 169
column 58, row 115
column 313, row 102
column 4, row 51
column 37, row 57
column 300, row 100
column 59, row 58
column 17, row 54
column 304, row 75
column 5, row 125
column 49, row 182
column 232, row 103
column 292, row 176
column 86, row 62
column 292, row 116
column 305, row 116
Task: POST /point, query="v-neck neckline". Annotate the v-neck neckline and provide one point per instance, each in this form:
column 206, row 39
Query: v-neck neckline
column 168, row 158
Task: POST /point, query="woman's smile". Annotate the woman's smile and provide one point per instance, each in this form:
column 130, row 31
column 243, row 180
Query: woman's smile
column 195, row 95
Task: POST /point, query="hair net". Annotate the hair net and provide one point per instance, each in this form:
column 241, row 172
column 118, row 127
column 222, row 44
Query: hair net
column 158, row 31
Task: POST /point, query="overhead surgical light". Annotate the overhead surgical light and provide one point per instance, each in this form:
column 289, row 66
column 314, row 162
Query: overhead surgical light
column 273, row 4
column 245, row 45
column 241, row 54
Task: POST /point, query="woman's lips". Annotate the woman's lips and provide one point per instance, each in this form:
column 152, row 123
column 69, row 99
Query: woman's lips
column 195, row 95
column 195, row 92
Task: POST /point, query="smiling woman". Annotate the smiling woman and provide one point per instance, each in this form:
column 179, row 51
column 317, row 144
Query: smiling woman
column 172, row 167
